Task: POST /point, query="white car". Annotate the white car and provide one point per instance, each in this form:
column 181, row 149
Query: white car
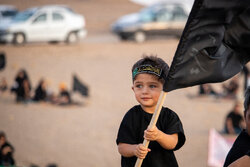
column 51, row 23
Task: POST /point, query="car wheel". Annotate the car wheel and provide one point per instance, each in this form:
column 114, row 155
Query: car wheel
column 72, row 37
column 19, row 38
column 123, row 37
column 139, row 36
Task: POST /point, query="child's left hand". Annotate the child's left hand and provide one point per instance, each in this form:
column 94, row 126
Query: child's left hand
column 152, row 134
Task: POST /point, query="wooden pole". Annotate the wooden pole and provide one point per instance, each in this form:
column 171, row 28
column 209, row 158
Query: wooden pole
column 153, row 123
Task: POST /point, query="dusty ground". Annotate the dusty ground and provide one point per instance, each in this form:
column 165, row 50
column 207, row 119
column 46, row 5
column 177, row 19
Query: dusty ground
column 84, row 136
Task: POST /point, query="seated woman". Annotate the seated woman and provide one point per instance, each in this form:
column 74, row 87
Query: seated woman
column 22, row 86
column 206, row 89
column 63, row 98
column 41, row 92
column 234, row 121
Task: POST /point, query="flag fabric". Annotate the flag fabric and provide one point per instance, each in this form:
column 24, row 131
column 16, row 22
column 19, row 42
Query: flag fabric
column 2, row 61
column 218, row 148
column 214, row 46
column 80, row 87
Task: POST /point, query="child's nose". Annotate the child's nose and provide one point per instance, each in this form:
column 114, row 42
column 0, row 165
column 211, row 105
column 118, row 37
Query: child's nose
column 145, row 90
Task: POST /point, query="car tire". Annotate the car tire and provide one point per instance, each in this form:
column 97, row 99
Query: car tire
column 123, row 37
column 139, row 36
column 19, row 39
column 72, row 37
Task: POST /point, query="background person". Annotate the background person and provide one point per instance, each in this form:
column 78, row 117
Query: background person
column 239, row 153
column 63, row 98
column 234, row 122
column 207, row 89
column 22, row 86
column 41, row 91
column 6, row 151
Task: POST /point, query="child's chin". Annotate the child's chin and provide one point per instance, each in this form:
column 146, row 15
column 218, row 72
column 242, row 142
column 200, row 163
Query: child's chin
column 147, row 105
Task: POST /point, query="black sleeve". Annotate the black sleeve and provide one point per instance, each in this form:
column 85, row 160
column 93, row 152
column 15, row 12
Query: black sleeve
column 174, row 125
column 248, row 153
column 126, row 132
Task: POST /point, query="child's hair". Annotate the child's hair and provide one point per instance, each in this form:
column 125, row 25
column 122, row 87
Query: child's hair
column 152, row 65
column 247, row 100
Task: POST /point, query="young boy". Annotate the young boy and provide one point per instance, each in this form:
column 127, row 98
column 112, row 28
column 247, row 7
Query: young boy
column 168, row 135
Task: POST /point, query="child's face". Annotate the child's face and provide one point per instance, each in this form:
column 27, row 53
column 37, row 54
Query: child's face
column 147, row 89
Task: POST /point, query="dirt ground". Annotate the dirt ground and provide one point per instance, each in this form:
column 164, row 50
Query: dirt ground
column 84, row 136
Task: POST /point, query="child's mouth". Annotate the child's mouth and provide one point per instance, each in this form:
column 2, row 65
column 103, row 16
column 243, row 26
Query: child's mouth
column 145, row 98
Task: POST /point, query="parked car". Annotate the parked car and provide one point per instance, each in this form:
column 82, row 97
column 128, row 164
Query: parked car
column 157, row 20
column 7, row 12
column 51, row 23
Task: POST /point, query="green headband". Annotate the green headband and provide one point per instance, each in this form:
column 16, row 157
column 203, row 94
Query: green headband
column 147, row 69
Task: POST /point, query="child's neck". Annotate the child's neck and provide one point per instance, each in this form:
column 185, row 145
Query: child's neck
column 149, row 110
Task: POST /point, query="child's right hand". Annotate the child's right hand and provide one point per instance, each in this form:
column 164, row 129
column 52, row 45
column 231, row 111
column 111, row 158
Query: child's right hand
column 141, row 151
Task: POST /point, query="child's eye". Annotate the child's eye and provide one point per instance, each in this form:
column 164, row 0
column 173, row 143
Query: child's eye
column 152, row 86
column 138, row 86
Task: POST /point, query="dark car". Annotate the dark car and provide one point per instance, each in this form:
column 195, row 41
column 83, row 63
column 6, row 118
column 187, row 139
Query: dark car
column 154, row 21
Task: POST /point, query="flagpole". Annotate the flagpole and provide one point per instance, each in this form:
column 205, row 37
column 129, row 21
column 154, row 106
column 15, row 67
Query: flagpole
column 153, row 123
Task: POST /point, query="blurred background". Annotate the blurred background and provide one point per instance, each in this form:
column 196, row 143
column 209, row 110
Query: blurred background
column 65, row 81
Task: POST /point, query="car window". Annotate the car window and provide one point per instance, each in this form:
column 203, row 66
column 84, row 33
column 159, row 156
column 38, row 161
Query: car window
column 40, row 18
column 164, row 15
column 147, row 16
column 9, row 13
column 57, row 16
column 179, row 14
column 23, row 16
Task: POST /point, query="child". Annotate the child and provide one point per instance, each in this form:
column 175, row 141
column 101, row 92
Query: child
column 148, row 79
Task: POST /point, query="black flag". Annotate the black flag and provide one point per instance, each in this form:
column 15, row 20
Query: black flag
column 80, row 87
column 2, row 60
column 214, row 46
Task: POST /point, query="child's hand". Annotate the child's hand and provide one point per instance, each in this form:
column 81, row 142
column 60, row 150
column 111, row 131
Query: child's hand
column 152, row 134
column 141, row 151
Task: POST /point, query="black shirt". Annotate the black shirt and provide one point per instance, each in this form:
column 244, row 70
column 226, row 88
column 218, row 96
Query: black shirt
column 240, row 148
column 131, row 131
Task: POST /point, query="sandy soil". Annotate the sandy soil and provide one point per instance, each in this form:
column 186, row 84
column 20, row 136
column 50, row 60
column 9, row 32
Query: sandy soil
column 85, row 135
